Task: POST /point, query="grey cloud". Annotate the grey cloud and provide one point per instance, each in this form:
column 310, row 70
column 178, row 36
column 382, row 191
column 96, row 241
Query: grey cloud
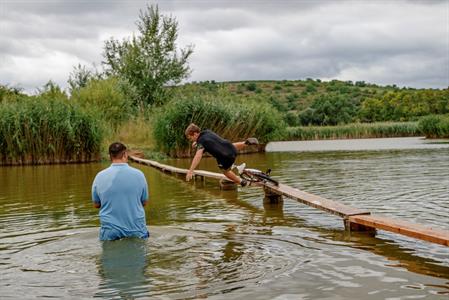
column 401, row 42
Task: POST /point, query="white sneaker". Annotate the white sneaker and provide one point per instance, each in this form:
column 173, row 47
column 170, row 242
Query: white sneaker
column 241, row 168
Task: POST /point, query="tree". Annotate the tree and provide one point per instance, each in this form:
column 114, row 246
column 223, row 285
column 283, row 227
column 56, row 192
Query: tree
column 150, row 60
column 51, row 90
column 79, row 77
column 329, row 110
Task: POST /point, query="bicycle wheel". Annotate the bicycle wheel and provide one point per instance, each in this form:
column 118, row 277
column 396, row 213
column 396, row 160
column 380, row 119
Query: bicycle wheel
column 265, row 178
column 249, row 176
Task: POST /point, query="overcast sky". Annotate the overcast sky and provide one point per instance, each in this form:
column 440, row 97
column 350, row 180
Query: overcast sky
column 402, row 42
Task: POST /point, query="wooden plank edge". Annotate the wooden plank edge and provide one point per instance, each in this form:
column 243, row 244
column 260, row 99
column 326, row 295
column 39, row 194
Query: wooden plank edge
column 419, row 231
column 318, row 202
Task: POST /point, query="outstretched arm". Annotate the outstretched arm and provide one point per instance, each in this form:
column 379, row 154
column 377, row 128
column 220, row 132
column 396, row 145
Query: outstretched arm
column 196, row 160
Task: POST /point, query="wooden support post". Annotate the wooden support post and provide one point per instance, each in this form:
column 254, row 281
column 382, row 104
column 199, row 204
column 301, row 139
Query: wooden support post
column 227, row 185
column 274, row 210
column 199, row 178
column 355, row 227
column 271, row 196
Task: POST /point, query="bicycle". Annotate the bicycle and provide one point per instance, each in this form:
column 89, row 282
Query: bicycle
column 255, row 176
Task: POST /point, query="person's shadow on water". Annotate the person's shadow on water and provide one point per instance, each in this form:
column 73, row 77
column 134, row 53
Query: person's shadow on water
column 122, row 268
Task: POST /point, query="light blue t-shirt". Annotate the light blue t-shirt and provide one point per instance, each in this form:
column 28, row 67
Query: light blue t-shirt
column 121, row 190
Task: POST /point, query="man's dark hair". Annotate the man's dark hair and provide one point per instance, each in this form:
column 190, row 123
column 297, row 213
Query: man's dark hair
column 116, row 150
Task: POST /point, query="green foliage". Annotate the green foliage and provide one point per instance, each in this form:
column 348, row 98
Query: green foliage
column 353, row 131
column 230, row 118
column 292, row 101
column 277, row 87
column 346, row 101
column 106, row 99
column 402, row 105
column 434, row 126
column 39, row 130
column 310, row 88
column 329, row 110
column 150, row 60
column 52, row 91
column 79, row 78
column 9, row 93
column 291, row 119
column 251, row 86
column 276, row 103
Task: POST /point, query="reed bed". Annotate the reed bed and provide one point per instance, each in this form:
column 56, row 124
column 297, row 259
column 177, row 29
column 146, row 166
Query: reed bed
column 231, row 119
column 435, row 126
column 40, row 131
column 354, row 131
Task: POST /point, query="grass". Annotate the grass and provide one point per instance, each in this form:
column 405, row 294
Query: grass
column 354, row 131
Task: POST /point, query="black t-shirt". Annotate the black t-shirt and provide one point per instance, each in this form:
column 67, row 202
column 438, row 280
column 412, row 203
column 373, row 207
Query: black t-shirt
column 216, row 145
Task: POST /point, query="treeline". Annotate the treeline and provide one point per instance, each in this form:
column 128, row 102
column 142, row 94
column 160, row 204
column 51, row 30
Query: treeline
column 317, row 103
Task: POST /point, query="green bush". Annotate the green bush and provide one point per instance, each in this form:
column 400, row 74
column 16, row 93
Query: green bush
column 434, row 126
column 106, row 99
column 229, row 118
column 251, row 86
column 38, row 130
column 329, row 110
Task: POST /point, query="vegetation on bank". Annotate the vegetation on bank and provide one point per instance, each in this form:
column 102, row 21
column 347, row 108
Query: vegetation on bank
column 434, row 126
column 354, row 131
column 40, row 130
column 137, row 99
column 108, row 114
column 318, row 103
column 234, row 120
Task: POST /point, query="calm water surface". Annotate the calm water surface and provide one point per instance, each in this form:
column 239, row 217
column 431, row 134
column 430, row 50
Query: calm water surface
column 208, row 243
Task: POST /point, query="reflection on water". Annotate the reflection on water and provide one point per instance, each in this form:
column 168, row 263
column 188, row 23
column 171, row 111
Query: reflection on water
column 122, row 267
column 208, row 243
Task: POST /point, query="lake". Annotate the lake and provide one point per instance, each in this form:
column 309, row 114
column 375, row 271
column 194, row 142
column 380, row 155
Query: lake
column 214, row 244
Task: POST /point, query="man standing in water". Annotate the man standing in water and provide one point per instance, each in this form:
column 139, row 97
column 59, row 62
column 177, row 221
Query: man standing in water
column 224, row 151
column 120, row 192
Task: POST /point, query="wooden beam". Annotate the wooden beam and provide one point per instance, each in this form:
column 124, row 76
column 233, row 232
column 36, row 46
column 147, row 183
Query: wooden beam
column 418, row 231
column 327, row 205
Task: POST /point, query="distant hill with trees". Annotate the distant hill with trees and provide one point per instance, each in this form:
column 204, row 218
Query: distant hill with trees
column 323, row 103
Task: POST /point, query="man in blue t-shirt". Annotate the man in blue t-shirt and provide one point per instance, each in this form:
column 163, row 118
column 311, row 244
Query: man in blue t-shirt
column 120, row 192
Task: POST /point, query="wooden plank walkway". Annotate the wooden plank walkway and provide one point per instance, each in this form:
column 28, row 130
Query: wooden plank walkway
column 350, row 215
column 324, row 204
column 418, row 231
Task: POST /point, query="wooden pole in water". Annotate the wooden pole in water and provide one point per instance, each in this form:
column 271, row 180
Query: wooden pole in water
column 272, row 197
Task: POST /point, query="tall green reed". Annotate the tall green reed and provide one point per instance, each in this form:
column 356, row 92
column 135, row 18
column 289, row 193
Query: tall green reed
column 435, row 126
column 39, row 130
column 234, row 120
column 355, row 130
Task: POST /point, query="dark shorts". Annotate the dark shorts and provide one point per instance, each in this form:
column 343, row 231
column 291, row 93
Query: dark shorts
column 225, row 163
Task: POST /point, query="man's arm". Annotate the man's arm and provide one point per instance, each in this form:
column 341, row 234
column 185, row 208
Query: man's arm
column 145, row 195
column 95, row 198
column 196, row 160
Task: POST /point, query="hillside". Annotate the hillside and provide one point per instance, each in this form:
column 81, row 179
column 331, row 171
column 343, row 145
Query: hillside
column 315, row 102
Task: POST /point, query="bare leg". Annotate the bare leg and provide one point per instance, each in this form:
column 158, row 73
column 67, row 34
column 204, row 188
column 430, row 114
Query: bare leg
column 232, row 176
column 239, row 145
